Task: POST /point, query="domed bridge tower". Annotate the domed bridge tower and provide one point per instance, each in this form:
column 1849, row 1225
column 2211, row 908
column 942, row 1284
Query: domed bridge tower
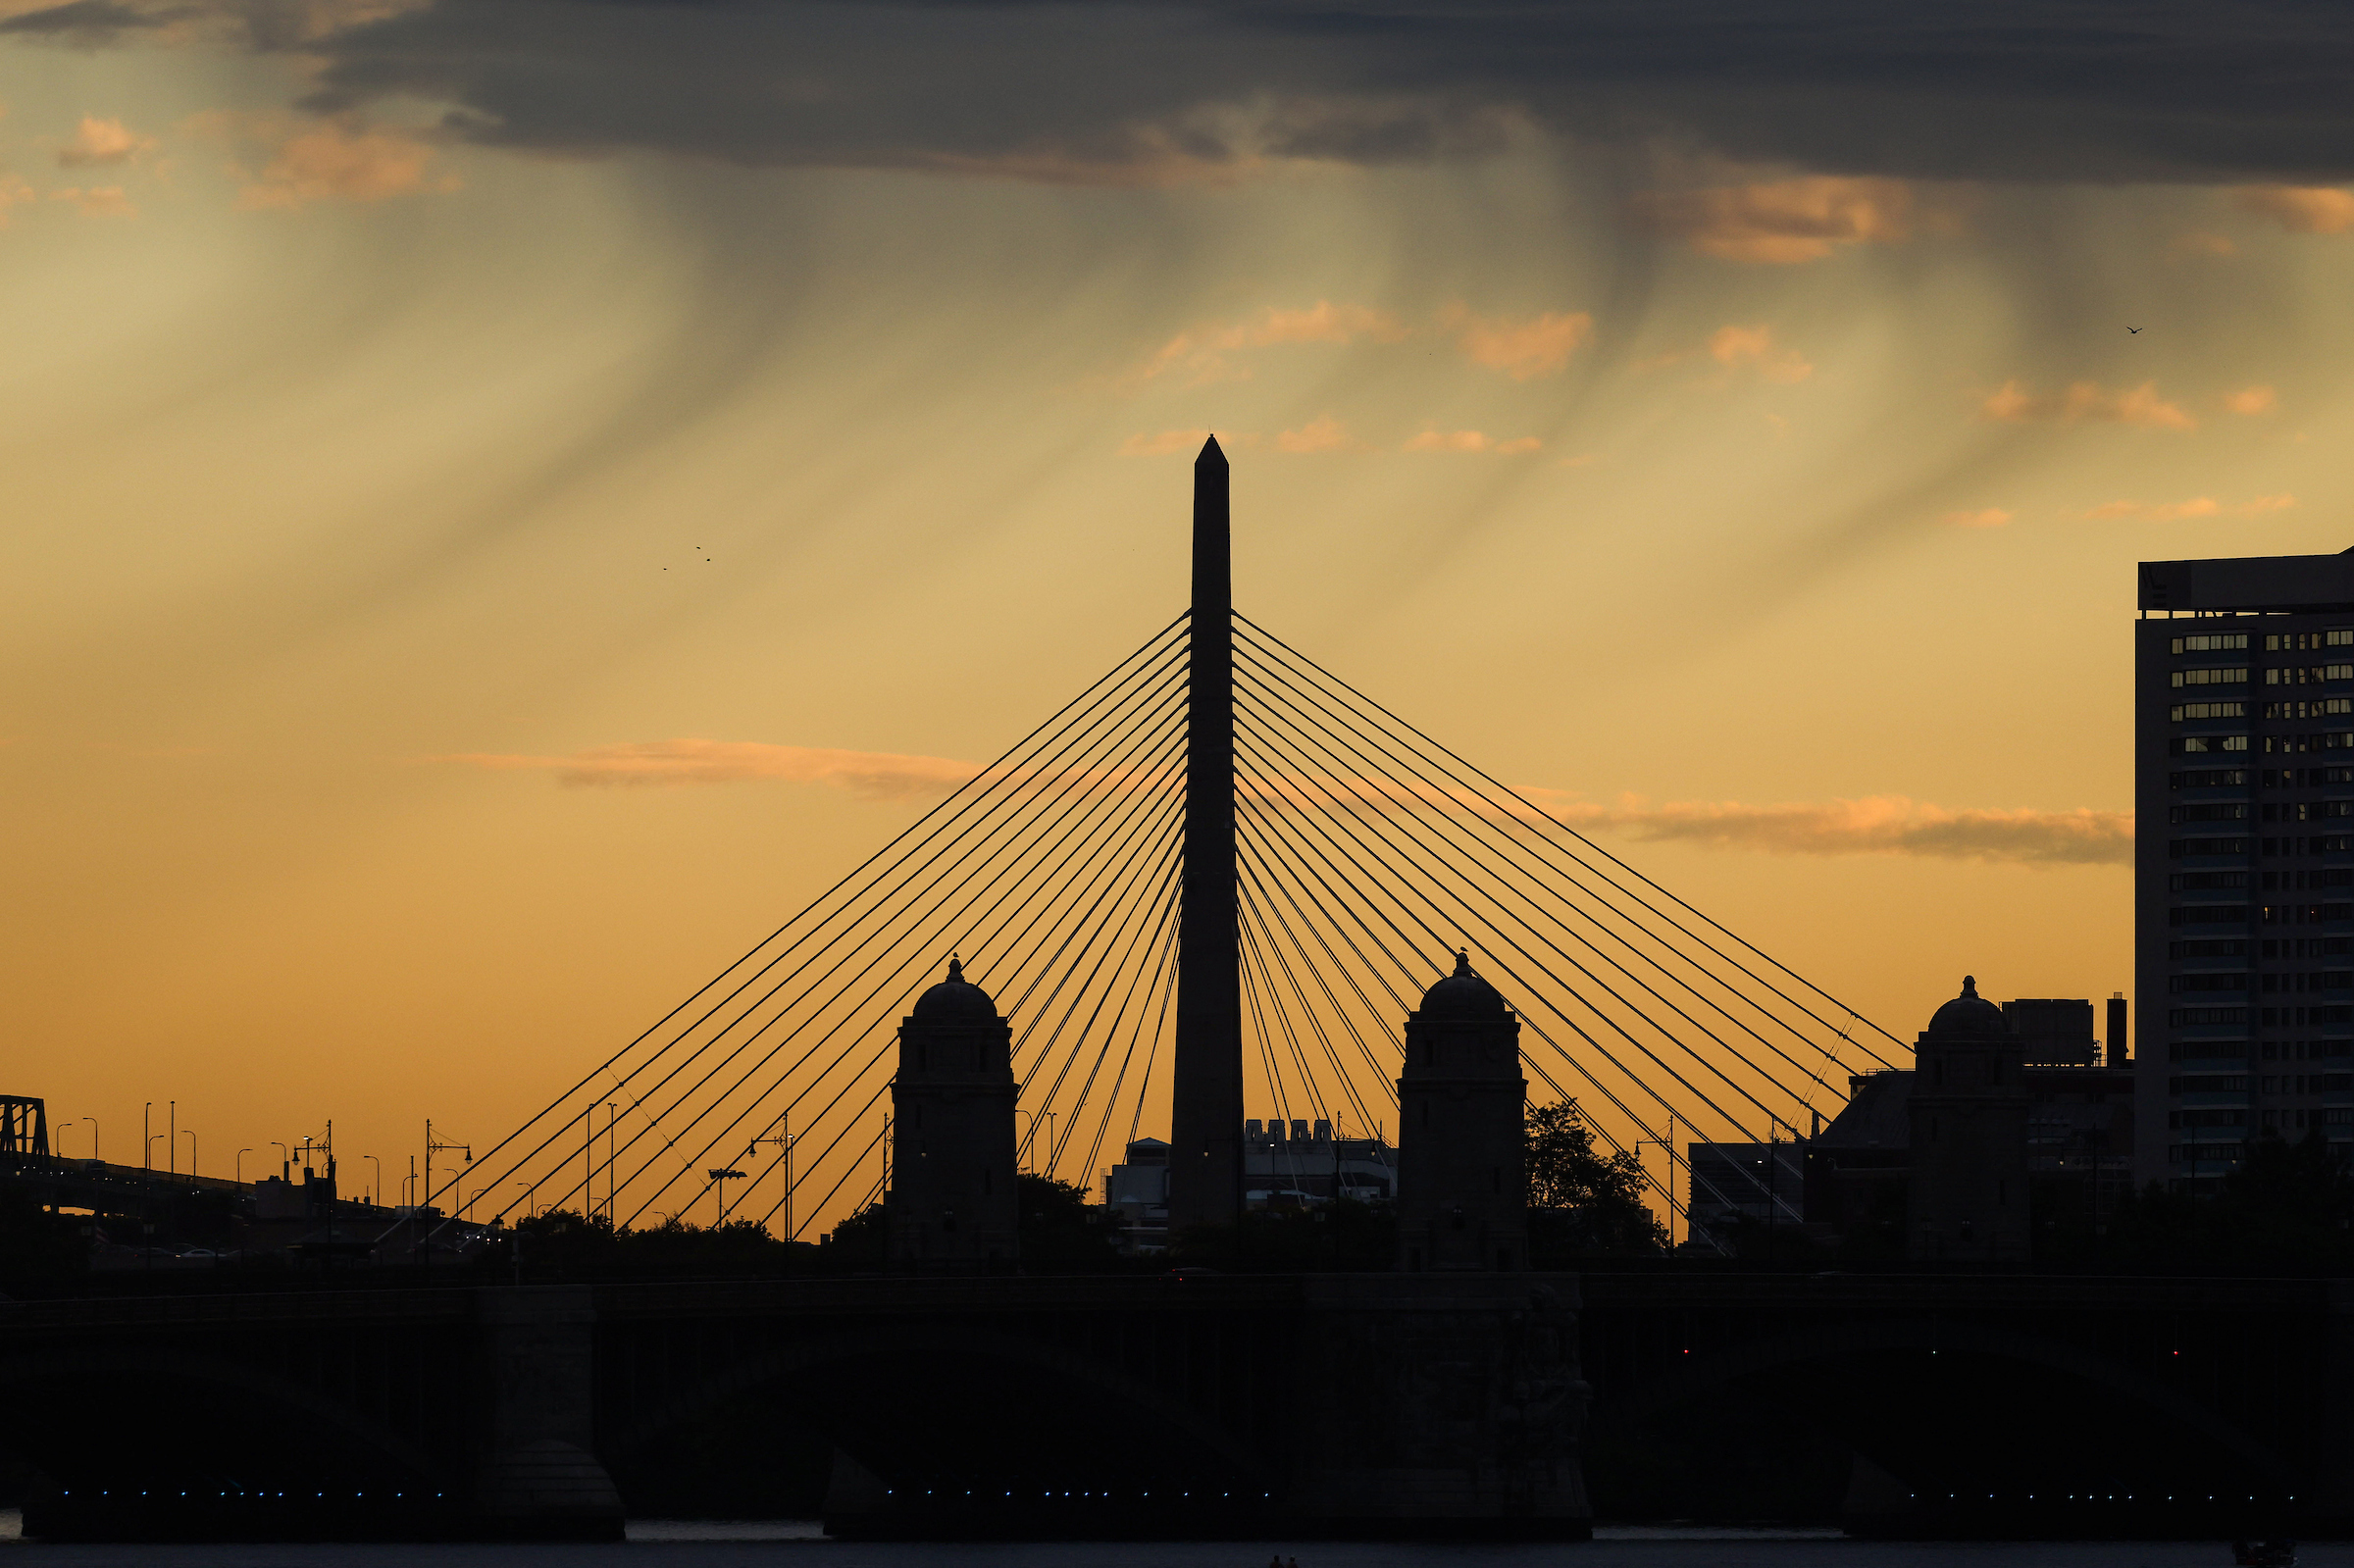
column 1462, row 1189
column 1968, row 1194
column 951, row 1204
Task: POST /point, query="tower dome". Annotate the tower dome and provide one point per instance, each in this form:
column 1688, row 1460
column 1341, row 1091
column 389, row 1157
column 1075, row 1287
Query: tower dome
column 955, row 1000
column 1969, row 1016
column 1462, row 994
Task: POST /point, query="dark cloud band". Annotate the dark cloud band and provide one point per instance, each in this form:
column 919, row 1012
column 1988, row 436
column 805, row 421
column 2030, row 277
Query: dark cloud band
column 1971, row 89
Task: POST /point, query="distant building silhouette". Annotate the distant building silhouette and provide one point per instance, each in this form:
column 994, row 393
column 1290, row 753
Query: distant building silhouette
column 1968, row 1197
column 1308, row 1165
column 1302, row 1169
column 1733, row 1185
column 952, row 1194
column 2052, row 1031
column 2244, row 764
column 1462, row 1190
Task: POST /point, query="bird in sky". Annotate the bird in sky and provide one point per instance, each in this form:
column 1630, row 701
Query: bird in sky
column 2132, row 328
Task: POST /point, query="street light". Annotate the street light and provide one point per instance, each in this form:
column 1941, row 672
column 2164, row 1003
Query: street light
column 377, row 1192
column 190, row 1136
column 145, row 1111
column 285, row 1155
column 93, row 1121
column 149, row 1158
column 719, row 1178
column 241, row 1153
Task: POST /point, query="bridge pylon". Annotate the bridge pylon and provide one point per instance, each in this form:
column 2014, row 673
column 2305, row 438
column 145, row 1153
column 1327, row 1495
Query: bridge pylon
column 1205, row 1111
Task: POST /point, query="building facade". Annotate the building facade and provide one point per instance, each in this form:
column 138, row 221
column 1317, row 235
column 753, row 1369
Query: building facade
column 1967, row 1196
column 1462, row 1183
column 2243, row 860
column 953, row 1203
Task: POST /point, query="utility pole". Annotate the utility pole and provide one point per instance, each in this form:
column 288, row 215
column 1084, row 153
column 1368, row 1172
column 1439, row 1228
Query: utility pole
column 1205, row 1111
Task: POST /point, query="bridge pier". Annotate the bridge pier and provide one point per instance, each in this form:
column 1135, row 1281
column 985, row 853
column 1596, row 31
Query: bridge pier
column 538, row 1477
column 1439, row 1404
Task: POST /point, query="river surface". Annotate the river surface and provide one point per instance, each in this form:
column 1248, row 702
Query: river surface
column 707, row 1544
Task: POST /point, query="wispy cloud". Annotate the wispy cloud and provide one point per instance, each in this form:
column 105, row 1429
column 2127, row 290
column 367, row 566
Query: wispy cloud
column 871, row 774
column 1985, row 517
column 1470, row 441
column 1169, row 443
column 13, row 191
column 1876, row 825
column 2300, row 209
column 1523, row 349
column 327, row 160
column 99, row 141
column 2251, row 400
column 1205, row 354
column 99, row 201
column 1736, row 346
column 2196, row 506
column 1323, row 434
column 2085, row 400
column 1781, row 221
column 1888, row 825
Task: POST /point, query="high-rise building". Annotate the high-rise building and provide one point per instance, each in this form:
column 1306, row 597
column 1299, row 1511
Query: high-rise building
column 2243, row 763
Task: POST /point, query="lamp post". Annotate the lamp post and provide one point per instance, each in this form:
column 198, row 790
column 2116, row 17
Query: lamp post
column 93, row 1121
column 241, row 1153
column 285, row 1155
column 1667, row 1145
column 145, row 1111
column 719, row 1190
column 149, row 1160
column 612, row 1109
column 172, row 1137
column 377, row 1192
column 190, row 1136
column 1023, row 1110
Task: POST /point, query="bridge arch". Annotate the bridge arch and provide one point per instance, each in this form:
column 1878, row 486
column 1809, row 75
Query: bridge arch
column 997, row 1411
column 1935, row 1405
column 179, row 1422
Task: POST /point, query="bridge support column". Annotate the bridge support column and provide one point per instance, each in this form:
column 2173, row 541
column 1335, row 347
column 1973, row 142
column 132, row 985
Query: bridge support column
column 539, row 1477
column 1441, row 1405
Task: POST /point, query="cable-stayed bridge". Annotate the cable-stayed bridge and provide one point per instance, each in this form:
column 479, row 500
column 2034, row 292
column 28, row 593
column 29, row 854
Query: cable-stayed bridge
column 1220, row 876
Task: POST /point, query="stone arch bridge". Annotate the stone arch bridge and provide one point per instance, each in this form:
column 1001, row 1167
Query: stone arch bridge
column 1192, row 1404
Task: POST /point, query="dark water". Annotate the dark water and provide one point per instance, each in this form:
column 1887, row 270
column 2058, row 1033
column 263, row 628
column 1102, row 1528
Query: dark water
column 700, row 1544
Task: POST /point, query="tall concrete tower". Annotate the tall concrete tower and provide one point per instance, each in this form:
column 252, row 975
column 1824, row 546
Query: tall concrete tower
column 1206, row 1113
column 1462, row 1185
column 1967, row 1196
column 952, row 1196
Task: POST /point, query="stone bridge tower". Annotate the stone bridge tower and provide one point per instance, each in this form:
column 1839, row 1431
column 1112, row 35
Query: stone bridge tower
column 952, row 1196
column 1463, row 1188
column 1967, row 1200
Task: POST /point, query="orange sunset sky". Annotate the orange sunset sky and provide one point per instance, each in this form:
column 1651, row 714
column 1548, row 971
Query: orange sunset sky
column 480, row 553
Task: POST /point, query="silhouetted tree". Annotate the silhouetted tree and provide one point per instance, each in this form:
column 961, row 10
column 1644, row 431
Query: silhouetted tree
column 1059, row 1227
column 2286, row 1209
column 859, row 1242
column 1582, row 1202
column 35, row 1244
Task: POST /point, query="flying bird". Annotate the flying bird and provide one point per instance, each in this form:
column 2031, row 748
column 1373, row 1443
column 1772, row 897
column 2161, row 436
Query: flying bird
column 2132, row 328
